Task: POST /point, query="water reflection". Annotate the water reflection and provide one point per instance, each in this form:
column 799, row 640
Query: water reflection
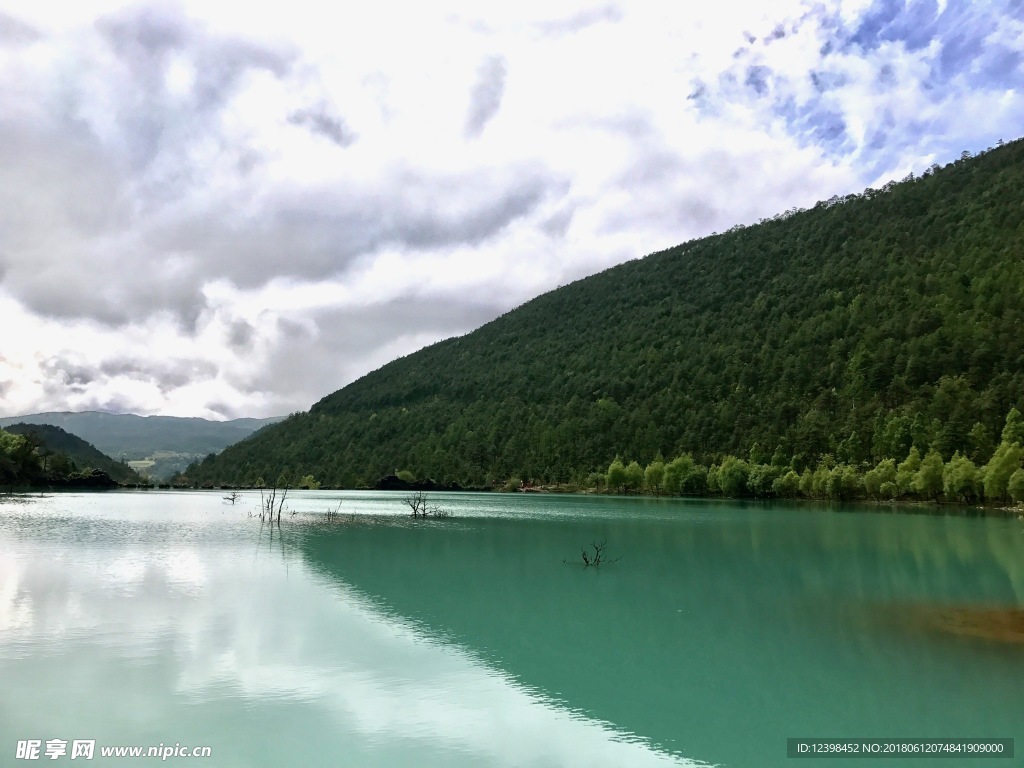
column 715, row 618
column 187, row 624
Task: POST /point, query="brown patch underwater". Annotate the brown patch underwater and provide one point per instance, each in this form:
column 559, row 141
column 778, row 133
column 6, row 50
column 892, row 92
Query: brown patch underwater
column 989, row 623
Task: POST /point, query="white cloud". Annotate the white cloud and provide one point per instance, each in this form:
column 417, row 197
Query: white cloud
column 180, row 183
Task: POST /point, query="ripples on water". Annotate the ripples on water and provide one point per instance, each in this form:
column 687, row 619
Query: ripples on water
column 376, row 640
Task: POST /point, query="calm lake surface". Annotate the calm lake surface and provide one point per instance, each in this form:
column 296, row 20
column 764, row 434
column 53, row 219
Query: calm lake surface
column 162, row 618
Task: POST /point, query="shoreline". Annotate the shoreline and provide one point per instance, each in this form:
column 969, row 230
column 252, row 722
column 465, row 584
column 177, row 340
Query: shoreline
column 915, row 507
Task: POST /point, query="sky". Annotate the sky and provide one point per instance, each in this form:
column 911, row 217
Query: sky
column 223, row 210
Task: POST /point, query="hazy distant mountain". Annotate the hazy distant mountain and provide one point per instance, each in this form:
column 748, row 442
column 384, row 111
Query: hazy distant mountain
column 171, row 441
column 84, row 456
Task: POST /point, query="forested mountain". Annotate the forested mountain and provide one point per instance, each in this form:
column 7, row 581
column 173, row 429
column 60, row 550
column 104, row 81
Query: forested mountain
column 843, row 334
column 127, row 436
column 41, row 454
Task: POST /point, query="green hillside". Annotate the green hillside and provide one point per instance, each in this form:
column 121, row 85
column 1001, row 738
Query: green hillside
column 839, row 335
column 169, row 443
column 127, row 436
column 51, row 456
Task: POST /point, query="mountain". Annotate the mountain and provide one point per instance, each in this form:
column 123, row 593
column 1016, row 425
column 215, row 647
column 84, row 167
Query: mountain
column 125, row 435
column 843, row 333
column 64, row 454
column 159, row 445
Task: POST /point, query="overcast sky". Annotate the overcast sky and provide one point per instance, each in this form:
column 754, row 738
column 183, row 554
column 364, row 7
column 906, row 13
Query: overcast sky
column 221, row 210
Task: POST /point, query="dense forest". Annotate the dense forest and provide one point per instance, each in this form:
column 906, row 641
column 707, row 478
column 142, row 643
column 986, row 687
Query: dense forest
column 44, row 455
column 870, row 328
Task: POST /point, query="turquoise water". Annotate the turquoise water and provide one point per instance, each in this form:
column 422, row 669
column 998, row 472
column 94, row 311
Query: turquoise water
column 724, row 629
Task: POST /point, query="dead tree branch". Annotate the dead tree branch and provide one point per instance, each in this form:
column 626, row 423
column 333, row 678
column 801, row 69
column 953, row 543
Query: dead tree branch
column 271, row 503
column 421, row 509
column 596, row 558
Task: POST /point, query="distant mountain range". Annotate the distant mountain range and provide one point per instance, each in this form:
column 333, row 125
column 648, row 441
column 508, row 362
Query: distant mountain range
column 155, row 445
column 65, row 453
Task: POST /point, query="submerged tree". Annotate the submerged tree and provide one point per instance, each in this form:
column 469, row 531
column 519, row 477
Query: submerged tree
column 421, row 509
column 595, row 558
column 272, row 502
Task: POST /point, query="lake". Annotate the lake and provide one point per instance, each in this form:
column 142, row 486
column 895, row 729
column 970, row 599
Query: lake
column 722, row 630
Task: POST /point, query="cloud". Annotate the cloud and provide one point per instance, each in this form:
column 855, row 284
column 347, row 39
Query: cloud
column 173, row 77
column 241, row 335
column 146, row 222
column 757, row 77
column 914, row 24
column 320, row 232
column 321, row 121
column 318, row 354
column 201, row 210
column 485, row 100
column 580, row 20
column 13, row 31
column 144, row 33
column 558, row 223
column 870, row 86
